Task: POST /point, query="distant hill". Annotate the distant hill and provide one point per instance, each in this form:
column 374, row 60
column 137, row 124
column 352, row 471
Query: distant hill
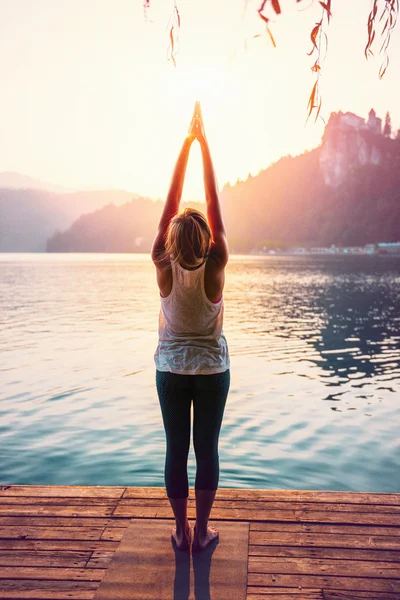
column 345, row 192
column 12, row 180
column 128, row 228
column 28, row 217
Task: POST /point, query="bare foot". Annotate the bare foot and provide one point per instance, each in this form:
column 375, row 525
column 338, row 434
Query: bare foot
column 183, row 540
column 200, row 542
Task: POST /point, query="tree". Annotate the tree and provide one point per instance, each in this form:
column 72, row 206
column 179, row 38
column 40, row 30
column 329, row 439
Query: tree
column 387, row 130
column 383, row 13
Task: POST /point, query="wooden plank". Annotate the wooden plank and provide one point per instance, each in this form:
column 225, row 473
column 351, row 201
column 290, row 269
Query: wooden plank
column 300, row 495
column 278, row 515
column 100, row 560
column 272, row 505
column 34, row 521
column 294, row 593
column 366, row 584
column 305, row 506
column 325, row 528
column 384, row 542
column 113, row 533
column 315, row 566
column 357, row 595
column 147, row 512
column 222, row 493
column 53, row 510
column 55, row 545
column 325, row 552
column 35, row 558
column 47, row 595
column 256, row 593
column 288, row 595
column 69, row 491
column 146, row 492
column 43, row 590
column 50, row 573
column 61, row 533
column 45, row 500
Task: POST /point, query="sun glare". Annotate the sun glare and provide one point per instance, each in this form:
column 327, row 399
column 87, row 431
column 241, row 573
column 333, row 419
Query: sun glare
column 207, row 83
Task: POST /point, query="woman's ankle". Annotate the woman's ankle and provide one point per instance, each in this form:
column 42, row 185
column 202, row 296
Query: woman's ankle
column 201, row 530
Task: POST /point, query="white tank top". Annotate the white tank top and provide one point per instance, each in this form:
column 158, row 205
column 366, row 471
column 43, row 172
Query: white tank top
column 191, row 340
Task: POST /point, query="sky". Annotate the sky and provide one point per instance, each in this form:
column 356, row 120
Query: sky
column 89, row 97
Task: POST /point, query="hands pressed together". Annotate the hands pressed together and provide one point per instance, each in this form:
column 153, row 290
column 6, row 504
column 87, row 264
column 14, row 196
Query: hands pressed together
column 196, row 128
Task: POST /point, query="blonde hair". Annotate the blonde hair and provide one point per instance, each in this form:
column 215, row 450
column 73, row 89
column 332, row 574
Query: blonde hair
column 188, row 238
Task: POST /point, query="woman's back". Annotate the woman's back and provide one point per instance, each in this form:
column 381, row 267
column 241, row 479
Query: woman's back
column 191, row 339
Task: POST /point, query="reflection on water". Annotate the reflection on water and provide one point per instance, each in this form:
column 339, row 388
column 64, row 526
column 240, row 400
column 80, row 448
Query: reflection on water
column 315, row 366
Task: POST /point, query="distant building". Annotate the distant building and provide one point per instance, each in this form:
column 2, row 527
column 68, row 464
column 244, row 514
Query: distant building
column 321, row 251
column 348, row 143
column 374, row 124
column 389, row 248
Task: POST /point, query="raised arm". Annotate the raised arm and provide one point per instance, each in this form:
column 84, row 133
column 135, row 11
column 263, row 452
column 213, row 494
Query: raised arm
column 172, row 202
column 214, row 215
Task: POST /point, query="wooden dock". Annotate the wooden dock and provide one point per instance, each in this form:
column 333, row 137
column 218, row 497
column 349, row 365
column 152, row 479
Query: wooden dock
column 56, row 542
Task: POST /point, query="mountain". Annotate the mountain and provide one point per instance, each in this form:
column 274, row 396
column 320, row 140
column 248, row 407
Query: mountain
column 12, row 180
column 28, row 217
column 345, row 192
column 128, row 228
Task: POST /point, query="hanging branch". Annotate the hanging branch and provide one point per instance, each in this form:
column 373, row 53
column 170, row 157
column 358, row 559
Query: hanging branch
column 391, row 10
column 174, row 26
column 316, row 36
column 277, row 9
column 146, row 5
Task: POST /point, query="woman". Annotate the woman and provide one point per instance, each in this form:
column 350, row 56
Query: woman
column 190, row 253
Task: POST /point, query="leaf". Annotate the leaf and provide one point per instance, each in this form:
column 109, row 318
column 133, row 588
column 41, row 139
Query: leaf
column 171, row 37
column 271, row 37
column 178, row 15
column 327, row 7
column 372, row 36
column 276, row 6
column 311, row 100
column 315, row 67
column 313, row 37
column 384, row 66
column 318, row 111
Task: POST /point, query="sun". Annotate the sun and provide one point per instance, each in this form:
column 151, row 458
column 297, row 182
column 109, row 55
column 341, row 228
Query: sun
column 208, row 83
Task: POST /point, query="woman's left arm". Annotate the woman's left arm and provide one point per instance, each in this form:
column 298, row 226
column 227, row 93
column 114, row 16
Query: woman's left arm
column 172, row 202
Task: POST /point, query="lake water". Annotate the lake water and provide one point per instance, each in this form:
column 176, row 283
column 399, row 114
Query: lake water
column 315, row 368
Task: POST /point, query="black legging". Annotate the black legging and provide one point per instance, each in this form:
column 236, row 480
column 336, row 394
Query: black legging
column 209, row 393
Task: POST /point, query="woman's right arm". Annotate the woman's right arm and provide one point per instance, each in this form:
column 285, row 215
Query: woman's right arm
column 172, row 202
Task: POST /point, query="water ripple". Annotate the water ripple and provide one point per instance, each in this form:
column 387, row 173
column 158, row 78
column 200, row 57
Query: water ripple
column 315, row 369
